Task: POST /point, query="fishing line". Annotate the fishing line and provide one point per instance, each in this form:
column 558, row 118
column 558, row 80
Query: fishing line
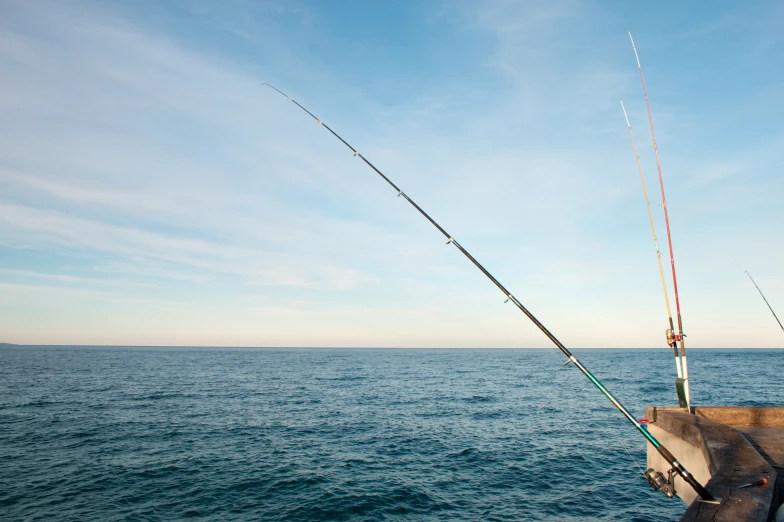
column 626, row 449
column 680, row 336
column 763, row 295
column 676, row 466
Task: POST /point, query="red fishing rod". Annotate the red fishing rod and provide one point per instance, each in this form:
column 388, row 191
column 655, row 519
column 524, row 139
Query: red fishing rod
column 682, row 384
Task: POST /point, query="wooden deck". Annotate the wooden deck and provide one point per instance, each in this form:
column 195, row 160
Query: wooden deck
column 737, row 445
column 769, row 442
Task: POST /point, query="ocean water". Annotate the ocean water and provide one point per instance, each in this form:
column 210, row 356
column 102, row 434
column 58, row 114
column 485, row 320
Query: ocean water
column 108, row 433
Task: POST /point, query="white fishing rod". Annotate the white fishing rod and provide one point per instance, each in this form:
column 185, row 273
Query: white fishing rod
column 670, row 340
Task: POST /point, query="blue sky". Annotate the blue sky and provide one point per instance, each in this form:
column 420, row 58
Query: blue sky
column 153, row 192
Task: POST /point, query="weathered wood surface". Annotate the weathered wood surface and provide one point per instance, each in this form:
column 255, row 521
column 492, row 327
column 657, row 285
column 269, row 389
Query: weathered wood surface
column 742, row 415
column 731, row 459
column 769, row 442
column 762, row 427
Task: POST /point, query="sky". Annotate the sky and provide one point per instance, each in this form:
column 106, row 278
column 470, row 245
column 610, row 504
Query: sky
column 154, row 192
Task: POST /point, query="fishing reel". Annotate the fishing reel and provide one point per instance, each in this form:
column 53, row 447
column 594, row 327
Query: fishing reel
column 672, row 337
column 658, row 482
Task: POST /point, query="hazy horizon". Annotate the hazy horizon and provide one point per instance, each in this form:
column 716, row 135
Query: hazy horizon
column 372, row 347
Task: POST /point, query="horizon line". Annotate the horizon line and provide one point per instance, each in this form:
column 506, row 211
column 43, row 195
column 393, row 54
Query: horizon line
column 2, row 344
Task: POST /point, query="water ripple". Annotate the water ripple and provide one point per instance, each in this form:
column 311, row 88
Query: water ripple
column 89, row 433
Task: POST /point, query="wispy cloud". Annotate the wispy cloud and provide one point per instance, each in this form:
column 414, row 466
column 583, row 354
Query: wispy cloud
column 139, row 152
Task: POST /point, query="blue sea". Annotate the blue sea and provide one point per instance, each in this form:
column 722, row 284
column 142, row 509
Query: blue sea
column 119, row 433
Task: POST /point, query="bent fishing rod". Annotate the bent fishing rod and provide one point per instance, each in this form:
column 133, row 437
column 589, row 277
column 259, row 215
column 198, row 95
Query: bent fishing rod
column 670, row 338
column 763, row 295
column 680, row 335
column 677, row 467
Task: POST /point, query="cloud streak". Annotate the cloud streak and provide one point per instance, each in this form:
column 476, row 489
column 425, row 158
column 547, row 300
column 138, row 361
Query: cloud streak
column 140, row 156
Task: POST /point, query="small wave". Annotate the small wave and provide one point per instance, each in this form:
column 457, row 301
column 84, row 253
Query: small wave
column 467, row 452
column 496, row 414
column 159, row 396
column 294, row 483
column 478, row 399
column 345, row 378
column 39, row 404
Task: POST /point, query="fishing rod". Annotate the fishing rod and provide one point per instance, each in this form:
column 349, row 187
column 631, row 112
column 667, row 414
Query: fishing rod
column 682, row 384
column 677, row 467
column 763, row 295
column 670, row 339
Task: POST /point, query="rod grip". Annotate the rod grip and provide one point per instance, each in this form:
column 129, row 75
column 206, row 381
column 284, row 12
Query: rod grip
column 688, row 477
column 669, row 457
